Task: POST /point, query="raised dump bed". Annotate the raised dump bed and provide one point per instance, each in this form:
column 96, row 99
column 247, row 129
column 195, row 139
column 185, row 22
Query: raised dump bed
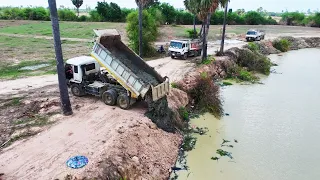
column 132, row 72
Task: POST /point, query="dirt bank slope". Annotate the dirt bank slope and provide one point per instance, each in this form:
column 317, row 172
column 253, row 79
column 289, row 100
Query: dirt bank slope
column 96, row 131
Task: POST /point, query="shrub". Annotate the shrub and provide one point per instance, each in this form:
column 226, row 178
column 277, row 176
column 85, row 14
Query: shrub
column 150, row 32
column 191, row 33
column 184, row 113
column 206, row 96
column 83, row 18
column 175, row 85
column 245, row 75
column 254, row 18
column 282, row 45
column 254, row 61
column 67, row 15
column 226, row 83
column 253, row 46
column 95, row 16
column 293, row 18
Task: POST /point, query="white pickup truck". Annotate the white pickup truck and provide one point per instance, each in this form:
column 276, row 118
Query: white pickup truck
column 255, row 35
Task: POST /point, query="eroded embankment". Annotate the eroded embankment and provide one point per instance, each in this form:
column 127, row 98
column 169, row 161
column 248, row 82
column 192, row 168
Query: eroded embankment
column 235, row 62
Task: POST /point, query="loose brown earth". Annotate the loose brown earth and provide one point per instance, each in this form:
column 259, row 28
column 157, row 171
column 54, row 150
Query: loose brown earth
column 100, row 132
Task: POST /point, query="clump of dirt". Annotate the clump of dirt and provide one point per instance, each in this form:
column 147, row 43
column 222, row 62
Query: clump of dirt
column 160, row 114
column 176, row 100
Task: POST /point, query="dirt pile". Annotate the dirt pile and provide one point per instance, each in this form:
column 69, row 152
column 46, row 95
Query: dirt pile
column 134, row 155
column 176, row 100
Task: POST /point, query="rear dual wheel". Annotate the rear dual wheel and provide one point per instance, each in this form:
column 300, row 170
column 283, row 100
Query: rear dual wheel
column 112, row 98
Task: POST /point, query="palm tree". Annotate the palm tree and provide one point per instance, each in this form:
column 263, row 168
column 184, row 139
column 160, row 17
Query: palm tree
column 64, row 96
column 224, row 3
column 192, row 7
column 77, row 4
column 206, row 7
column 141, row 4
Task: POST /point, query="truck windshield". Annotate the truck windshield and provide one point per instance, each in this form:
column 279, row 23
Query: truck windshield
column 177, row 45
column 251, row 33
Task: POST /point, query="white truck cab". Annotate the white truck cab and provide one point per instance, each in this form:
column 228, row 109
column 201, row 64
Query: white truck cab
column 77, row 67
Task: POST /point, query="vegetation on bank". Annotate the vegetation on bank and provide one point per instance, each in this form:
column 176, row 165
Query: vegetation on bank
column 282, row 45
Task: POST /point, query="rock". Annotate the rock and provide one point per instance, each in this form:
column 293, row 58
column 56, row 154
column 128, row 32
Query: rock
column 135, row 159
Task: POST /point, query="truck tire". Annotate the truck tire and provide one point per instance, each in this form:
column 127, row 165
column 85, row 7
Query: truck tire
column 123, row 101
column 185, row 56
column 110, row 97
column 77, row 90
column 199, row 52
column 172, row 57
column 195, row 53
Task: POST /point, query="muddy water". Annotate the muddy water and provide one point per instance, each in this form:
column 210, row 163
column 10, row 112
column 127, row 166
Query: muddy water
column 277, row 126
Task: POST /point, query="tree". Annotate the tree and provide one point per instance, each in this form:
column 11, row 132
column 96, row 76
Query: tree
column 141, row 4
column 224, row 3
column 169, row 12
column 192, row 7
column 150, row 32
column 206, row 8
column 77, row 4
column 64, row 96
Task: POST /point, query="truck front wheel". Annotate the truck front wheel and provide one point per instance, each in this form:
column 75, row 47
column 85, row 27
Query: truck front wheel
column 110, row 97
column 77, row 90
column 123, row 101
column 185, row 56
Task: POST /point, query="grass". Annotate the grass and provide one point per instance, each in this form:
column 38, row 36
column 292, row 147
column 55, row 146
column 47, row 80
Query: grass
column 23, row 135
column 14, row 71
column 68, row 29
column 282, row 45
column 15, row 101
column 226, row 83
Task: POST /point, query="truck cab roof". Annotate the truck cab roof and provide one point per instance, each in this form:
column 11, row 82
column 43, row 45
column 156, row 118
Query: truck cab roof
column 81, row 60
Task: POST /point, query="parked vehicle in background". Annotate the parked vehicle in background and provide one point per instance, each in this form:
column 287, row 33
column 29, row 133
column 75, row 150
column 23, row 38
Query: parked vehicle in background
column 185, row 48
column 255, row 35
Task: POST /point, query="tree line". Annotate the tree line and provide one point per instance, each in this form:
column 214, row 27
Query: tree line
column 111, row 12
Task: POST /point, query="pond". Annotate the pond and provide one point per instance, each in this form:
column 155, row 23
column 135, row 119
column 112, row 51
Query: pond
column 273, row 128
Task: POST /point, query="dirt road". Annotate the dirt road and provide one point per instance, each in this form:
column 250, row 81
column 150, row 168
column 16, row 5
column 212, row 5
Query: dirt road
column 96, row 131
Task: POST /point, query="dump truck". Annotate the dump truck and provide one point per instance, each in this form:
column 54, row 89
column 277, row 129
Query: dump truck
column 115, row 73
column 185, row 48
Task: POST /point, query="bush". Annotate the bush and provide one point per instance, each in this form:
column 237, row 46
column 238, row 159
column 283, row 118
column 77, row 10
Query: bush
column 253, row 46
column 254, row 61
column 95, row 16
column 83, row 18
column 245, row 75
column 254, row 18
column 282, row 45
column 150, row 32
column 184, row 113
column 67, row 15
column 206, row 96
column 293, row 18
column 191, row 33
column 175, row 85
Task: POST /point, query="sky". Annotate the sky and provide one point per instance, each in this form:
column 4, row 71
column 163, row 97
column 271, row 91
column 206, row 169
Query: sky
column 269, row 5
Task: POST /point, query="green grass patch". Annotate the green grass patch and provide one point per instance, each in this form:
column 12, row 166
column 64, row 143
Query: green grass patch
column 15, row 71
column 189, row 142
column 67, row 29
column 15, row 101
column 226, row 83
